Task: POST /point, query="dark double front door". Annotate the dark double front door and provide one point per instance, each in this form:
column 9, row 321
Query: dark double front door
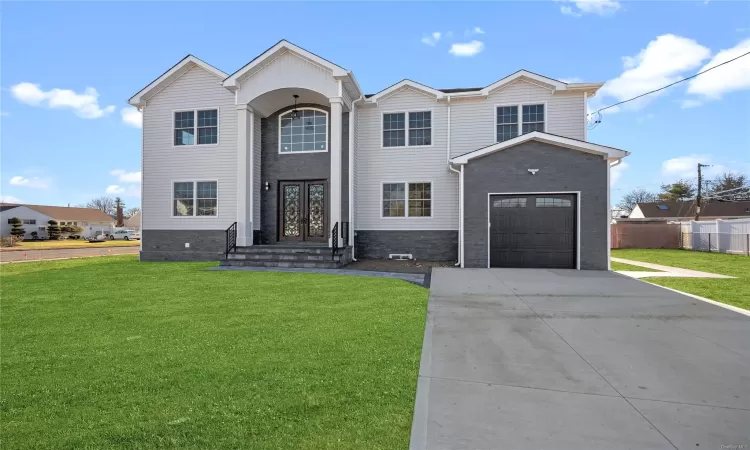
column 302, row 211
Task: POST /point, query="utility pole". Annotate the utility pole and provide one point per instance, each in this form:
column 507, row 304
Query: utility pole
column 698, row 198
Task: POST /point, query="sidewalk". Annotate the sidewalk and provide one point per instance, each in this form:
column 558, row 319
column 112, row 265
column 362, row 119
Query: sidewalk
column 666, row 271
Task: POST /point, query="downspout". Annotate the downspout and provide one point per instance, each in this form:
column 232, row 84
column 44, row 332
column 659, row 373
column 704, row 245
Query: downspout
column 460, row 187
column 351, row 171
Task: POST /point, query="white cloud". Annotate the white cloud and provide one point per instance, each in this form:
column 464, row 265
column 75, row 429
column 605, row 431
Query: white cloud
column 128, row 177
column 598, row 7
column 467, row 48
column 662, row 62
column 432, row 38
column 571, row 80
column 125, row 191
column 690, row 103
column 115, row 189
column 10, row 199
column 727, row 78
column 33, row 182
column 473, row 31
column 616, row 172
column 687, row 167
column 131, row 116
column 85, row 105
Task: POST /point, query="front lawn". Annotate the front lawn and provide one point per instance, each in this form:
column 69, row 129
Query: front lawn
column 733, row 291
column 67, row 243
column 113, row 353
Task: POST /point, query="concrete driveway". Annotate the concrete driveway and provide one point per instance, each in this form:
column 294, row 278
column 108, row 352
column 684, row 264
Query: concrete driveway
column 564, row 359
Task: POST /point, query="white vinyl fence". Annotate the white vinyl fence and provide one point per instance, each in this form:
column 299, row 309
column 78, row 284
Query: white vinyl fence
column 721, row 236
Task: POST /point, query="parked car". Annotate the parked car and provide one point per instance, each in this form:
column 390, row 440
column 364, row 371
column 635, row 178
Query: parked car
column 125, row 234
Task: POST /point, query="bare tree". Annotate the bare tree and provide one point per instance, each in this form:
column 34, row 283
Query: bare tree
column 130, row 212
column 103, row 204
column 628, row 201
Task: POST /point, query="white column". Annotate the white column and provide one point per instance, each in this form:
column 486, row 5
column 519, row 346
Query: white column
column 335, row 181
column 245, row 119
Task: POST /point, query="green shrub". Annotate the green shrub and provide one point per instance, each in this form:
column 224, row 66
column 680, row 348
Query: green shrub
column 53, row 230
column 17, row 228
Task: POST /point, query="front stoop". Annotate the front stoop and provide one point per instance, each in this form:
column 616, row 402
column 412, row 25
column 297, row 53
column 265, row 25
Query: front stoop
column 304, row 256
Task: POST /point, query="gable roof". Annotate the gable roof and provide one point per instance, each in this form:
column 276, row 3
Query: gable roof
column 686, row 208
column 553, row 139
column 176, row 71
column 555, row 85
column 230, row 82
column 65, row 212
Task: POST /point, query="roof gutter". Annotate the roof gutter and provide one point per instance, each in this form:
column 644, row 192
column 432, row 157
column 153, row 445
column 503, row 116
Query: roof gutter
column 351, row 171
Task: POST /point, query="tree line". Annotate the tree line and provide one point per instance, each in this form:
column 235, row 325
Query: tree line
column 686, row 189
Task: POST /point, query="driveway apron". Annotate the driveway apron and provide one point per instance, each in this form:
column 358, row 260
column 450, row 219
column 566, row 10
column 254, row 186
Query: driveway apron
column 566, row 359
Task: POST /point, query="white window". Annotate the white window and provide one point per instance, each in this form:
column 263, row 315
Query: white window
column 507, row 121
column 308, row 132
column 194, row 198
column 414, row 132
column 206, row 127
column 407, row 200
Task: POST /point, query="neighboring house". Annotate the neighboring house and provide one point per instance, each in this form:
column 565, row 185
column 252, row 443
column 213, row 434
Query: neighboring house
column 133, row 221
column 685, row 210
column 290, row 148
column 35, row 218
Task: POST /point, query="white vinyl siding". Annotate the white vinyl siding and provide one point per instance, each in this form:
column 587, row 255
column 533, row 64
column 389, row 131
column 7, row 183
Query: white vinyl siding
column 163, row 163
column 473, row 121
column 375, row 165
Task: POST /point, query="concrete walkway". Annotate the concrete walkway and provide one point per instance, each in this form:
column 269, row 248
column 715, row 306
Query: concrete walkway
column 566, row 359
column 666, row 271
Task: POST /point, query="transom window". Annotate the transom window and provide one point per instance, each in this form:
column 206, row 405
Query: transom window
column 306, row 133
column 414, row 132
column 396, row 202
column 206, row 127
column 519, row 202
column 195, row 198
column 509, row 126
column 549, row 202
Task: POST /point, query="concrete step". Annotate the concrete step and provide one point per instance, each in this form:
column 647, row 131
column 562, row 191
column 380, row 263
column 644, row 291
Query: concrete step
column 299, row 257
column 279, row 249
column 269, row 263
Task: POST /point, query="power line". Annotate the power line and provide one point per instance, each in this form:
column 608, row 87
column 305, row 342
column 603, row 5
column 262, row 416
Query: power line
column 669, row 85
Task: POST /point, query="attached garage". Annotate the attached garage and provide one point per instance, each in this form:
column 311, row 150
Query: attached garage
column 533, row 230
column 536, row 201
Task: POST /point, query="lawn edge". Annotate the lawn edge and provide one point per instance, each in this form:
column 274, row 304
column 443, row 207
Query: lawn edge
column 62, row 259
column 19, row 249
column 736, row 309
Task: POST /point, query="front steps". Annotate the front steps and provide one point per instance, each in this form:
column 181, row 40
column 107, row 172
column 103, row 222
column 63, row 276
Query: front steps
column 306, row 256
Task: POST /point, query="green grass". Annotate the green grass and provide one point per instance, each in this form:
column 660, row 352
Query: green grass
column 732, row 291
column 617, row 266
column 68, row 243
column 113, row 353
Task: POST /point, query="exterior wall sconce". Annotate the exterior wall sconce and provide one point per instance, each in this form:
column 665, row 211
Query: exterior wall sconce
column 533, row 171
column 267, row 185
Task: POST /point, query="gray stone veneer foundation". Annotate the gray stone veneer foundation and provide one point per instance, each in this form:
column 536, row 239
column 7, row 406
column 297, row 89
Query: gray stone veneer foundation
column 434, row 245
column 169, row 245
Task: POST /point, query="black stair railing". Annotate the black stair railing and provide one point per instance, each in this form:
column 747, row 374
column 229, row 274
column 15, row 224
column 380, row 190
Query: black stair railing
column 345, row 233
column 334, row 240
column 231, row 239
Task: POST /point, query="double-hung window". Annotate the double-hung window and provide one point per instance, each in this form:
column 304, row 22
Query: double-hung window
column 407, row 200
column 412, row 129
column 205, row 128
column 515, row 120
column 194, row 198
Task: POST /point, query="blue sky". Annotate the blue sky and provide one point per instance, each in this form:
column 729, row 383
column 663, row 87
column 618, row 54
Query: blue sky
column 68, row 69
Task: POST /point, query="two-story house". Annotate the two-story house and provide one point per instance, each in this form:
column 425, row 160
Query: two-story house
column 291, row 149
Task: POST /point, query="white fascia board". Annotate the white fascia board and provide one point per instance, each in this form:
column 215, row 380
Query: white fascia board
column 589, row 88
column 231, row 81
column 557, row 85
column 405, row 83
column 609, row 152
column 185, row 64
